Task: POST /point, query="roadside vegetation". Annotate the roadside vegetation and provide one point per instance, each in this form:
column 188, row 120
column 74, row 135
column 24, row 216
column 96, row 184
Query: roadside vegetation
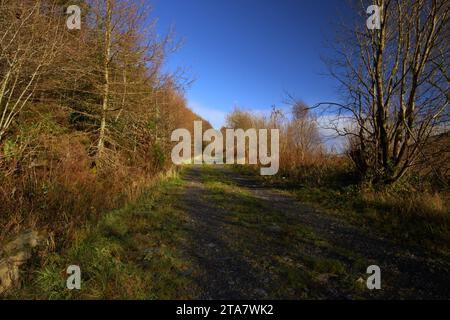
column 85, row 115
column 85, row 123
column 401, row 212
column 130, row 253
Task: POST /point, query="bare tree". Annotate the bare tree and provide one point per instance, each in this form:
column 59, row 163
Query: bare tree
column 106, row 84
column 30, row 39
column 303, row 132
column 395, row 82
column 131, row 58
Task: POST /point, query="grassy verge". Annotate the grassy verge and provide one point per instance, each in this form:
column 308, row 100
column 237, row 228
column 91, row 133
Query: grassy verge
column 402, row 213
column 131, row 253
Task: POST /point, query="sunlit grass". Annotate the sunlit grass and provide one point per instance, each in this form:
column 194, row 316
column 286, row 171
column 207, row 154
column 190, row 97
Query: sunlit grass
column 131, row 253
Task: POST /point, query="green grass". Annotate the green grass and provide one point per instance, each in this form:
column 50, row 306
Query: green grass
column 400, row 212
column 131, row 253
column 405, row 217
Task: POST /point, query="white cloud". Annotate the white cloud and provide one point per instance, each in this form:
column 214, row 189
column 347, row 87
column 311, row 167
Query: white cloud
column 328, row 124
column 214, row 116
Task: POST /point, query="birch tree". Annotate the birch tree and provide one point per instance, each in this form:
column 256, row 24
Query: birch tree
column 131, row 58
column 106, row 84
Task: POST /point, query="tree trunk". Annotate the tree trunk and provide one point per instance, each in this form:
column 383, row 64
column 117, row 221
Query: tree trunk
column 105, row 104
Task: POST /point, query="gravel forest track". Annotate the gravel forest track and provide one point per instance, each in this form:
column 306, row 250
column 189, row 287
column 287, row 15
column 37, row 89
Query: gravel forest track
column 250, row 241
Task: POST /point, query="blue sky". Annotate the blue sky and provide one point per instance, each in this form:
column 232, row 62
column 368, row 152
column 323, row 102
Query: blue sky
column 251, row 52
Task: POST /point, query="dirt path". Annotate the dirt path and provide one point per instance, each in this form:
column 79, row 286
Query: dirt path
column 252, row 242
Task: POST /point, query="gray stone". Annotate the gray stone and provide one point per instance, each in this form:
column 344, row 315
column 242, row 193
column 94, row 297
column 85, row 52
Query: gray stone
column 15, row 254
column 275, row 228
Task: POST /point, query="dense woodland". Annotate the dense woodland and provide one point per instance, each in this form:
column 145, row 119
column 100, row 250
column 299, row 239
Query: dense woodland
column 86, row 115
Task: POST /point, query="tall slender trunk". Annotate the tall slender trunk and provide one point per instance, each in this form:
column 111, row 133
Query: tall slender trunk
column 382, row 108
column 105, row 104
